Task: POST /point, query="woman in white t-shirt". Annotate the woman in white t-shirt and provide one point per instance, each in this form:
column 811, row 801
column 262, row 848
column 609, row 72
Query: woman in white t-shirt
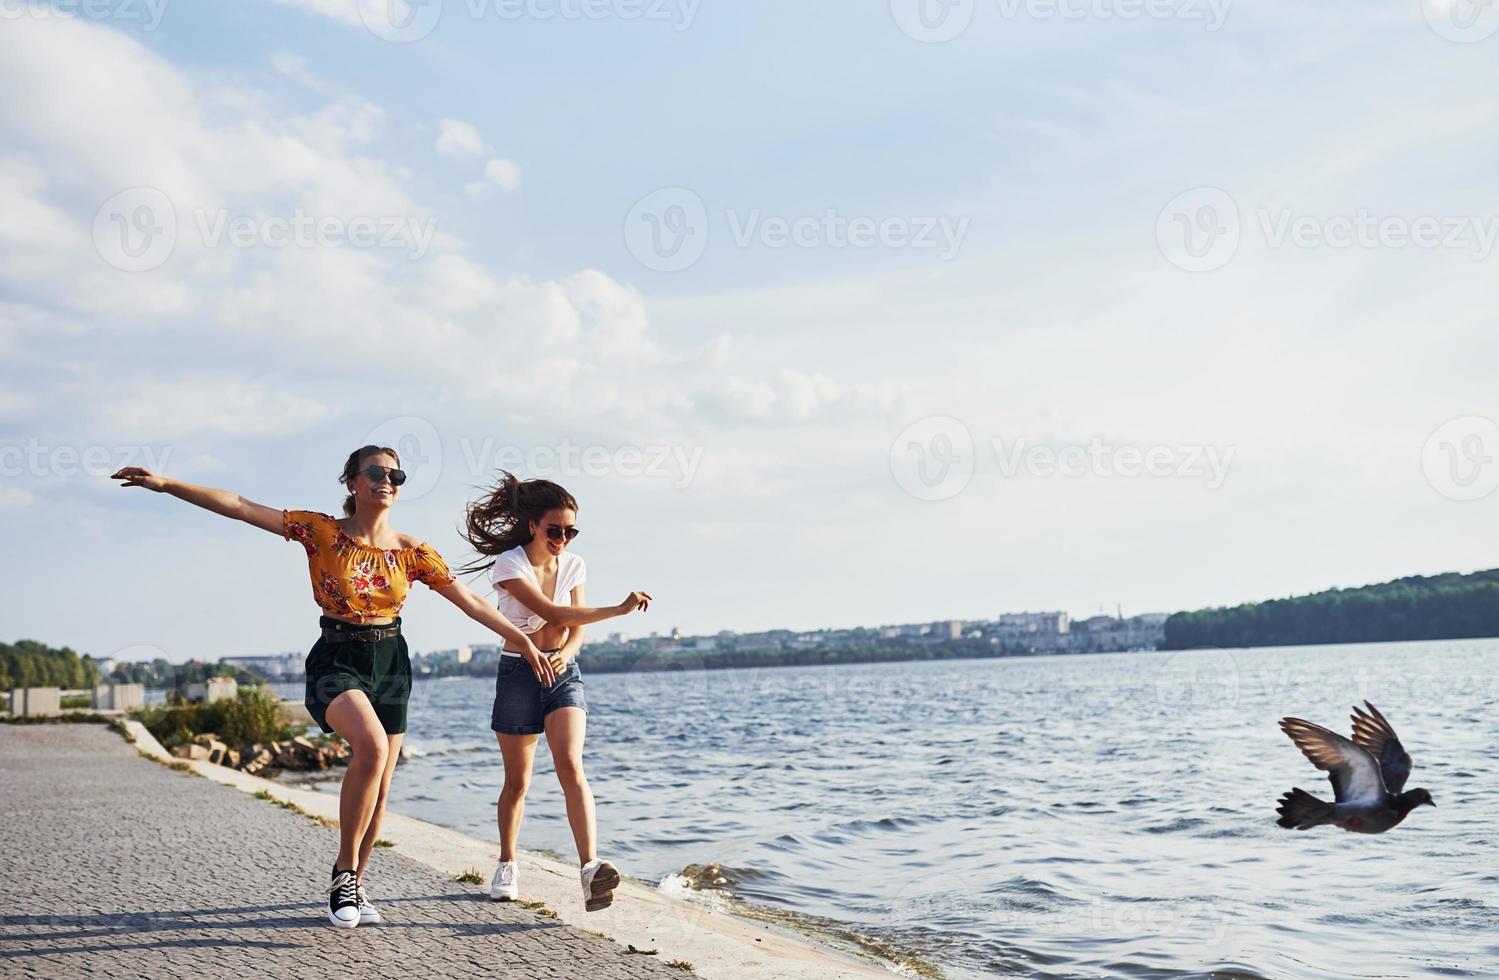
column 522, row 530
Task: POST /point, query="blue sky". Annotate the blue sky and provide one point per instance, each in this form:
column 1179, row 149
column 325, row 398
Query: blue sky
column 911, row 319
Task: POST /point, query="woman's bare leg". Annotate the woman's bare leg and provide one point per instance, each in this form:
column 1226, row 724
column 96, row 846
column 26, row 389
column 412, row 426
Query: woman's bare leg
column 518, row 751
column 372, row 834
column 565, row 729
column 353, row 719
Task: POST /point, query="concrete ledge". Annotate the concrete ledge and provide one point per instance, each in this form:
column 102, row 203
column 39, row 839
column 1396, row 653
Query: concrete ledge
column 717, row 944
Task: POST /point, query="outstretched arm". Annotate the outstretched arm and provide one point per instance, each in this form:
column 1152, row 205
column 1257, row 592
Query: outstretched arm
column 531, row 597
column 484, row 614
column 221, row 502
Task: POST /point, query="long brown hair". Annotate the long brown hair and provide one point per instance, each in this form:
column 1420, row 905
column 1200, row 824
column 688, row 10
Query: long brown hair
column 355, row 463
column 501, row 519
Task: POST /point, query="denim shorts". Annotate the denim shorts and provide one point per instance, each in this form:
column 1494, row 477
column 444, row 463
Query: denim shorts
column 379, row 668
column 521, row 702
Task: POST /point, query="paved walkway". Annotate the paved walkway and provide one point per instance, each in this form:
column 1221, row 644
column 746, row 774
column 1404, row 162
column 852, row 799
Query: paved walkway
column 116, row 866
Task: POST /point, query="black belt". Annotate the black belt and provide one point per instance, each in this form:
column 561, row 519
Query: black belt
column 360, row 634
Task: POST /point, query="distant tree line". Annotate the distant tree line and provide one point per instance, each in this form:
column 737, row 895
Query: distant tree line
column 1438, row 607
column 162, row 673
column 27, row 663
column 871, row 651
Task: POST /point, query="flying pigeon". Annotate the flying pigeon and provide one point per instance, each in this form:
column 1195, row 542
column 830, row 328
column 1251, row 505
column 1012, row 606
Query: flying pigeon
column 1367, row 775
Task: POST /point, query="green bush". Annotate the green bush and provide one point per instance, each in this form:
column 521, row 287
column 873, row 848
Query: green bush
column 253, row 716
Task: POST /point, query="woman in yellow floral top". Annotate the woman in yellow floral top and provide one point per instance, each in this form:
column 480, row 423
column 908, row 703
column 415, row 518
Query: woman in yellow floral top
column 359, row 671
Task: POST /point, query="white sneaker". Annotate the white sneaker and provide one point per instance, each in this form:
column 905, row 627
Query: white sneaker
column 502, row 888
column 368, row 914
column 599, row 881
column 343, row 900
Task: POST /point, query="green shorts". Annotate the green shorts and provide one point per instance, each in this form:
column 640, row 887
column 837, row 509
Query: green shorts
column 379, row 668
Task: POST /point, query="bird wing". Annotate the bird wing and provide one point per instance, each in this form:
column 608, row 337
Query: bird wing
column 1352, row 770
column 1372, row 732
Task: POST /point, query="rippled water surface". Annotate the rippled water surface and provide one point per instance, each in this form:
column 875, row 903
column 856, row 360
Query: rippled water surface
column 1090, row 816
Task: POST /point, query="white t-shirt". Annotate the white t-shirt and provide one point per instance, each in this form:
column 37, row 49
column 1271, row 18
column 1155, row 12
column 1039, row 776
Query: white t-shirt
column 514, row 564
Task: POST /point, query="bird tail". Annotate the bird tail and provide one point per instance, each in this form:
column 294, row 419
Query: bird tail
column 1302, row 810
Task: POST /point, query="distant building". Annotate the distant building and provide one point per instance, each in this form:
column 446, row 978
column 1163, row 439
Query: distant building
column 465, row 654
column 276, row 665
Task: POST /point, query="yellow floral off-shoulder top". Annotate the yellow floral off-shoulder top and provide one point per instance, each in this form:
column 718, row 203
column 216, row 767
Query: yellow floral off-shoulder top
column 355, row 581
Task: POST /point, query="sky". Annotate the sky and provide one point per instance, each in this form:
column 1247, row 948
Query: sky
column 829, row 314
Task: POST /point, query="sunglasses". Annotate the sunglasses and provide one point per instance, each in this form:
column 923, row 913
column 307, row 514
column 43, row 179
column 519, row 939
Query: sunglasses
column 558, row 533
column 378, row 474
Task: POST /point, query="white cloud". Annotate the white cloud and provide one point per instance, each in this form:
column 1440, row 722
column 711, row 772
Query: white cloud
column 582, row 345
column 210, row 405
column 502, row 173
column 459, row 139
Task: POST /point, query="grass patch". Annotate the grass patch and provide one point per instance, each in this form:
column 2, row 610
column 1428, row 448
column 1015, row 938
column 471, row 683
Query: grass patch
column 382, row 842
column 176, row 765
column 539, row 908
column 682, row 965
column 253, row 716
column 641, row 952
column 469, row 877
column 73, row 718
column 265, row 794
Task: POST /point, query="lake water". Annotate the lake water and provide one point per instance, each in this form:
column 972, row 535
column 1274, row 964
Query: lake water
column 1087, row 816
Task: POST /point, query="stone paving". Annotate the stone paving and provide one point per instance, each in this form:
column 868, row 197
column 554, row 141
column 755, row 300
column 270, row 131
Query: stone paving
column 117, row 866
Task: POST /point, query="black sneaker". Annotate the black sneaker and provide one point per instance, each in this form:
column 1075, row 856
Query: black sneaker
column 343, row 900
